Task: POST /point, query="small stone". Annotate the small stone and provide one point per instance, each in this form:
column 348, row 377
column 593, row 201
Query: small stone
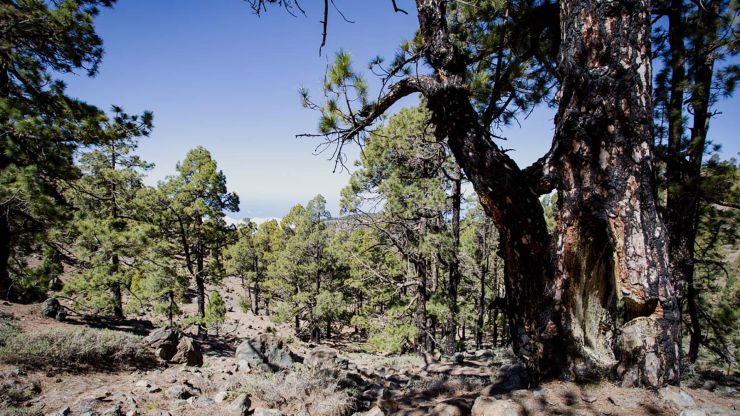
column 447, row 409
column 240, row 405
column 142, row 383
column 375, row 411
column 490, row 406
column 266, row 412
column 710, row 385
column 220, row 396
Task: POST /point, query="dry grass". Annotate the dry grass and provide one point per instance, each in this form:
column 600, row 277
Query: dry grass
column 77, row 348
column 301, row 392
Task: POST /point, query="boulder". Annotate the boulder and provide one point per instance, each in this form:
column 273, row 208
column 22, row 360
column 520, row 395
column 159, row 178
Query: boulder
column 490, row 406
column 179, row 391
column 164, row 341
column 188, row 352
column 321, row 357
column 677, row 397
column 266, row 352
column 51, row 308
column 240, row 405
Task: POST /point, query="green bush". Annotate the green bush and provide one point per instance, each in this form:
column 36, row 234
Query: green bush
column 82, row 348
column 215, row 311
column 245, row 304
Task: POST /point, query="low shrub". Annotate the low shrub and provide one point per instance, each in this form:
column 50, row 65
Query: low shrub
column 301, row 392
column 72, row 348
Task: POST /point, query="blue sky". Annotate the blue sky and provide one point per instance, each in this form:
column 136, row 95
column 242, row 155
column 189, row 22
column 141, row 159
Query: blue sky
column 216, row 75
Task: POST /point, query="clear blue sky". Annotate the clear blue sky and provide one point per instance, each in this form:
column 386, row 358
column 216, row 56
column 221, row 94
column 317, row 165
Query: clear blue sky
column 216, row 75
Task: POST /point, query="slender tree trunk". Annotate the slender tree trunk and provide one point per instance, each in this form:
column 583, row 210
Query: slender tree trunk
column 4, row 256
column 454, row 277
column 704, row 69
column 481, row 310
column 256, row 303
column 115, row 263
column 420, row 315
column 200, row 283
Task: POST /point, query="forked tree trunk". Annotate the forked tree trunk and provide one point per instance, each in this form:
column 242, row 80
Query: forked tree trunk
column 601, row 300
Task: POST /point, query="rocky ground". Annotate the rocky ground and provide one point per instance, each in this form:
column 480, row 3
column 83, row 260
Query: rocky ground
column 255, row 367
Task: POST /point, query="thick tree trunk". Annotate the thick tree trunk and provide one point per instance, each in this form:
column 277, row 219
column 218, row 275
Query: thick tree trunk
column 612, row 287
column 4, row 256
column 602, row 298
column 454, row 273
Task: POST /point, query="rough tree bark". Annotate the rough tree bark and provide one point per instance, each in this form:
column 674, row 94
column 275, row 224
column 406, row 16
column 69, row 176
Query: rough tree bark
column 606, row 299
column 612, row 286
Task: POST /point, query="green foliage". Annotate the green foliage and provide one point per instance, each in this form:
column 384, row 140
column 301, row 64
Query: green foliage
column 215, row 310
column 245, row 304
column 41, row 127
column 391, row 337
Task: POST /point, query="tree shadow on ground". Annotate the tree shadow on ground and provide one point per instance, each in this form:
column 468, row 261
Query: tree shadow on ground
column 140, row 327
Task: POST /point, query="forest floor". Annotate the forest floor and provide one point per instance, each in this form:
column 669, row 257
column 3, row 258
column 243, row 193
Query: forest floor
column 399, row 385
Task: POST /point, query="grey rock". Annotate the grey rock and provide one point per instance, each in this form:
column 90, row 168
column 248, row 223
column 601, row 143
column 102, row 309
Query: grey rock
column 51, row 307
column 350, row 380
column 490, row 406
column 375, row 411
column 164, row 341
column 710, row 385
column 483, row 354
column 676, row 397
column 447, row 409
column 240, row 405
column 266, row 352
column 321, row 357
column 179, row 391
column 204, row 402
column 220, row 396
column 266, row 412
column 113, row 411
column 143, row 383
column 693, row 412
column 188, row 353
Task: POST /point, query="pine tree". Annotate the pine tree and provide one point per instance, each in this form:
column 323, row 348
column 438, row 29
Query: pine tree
column 188, row 210
column 41, row 126
column 105, row 217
